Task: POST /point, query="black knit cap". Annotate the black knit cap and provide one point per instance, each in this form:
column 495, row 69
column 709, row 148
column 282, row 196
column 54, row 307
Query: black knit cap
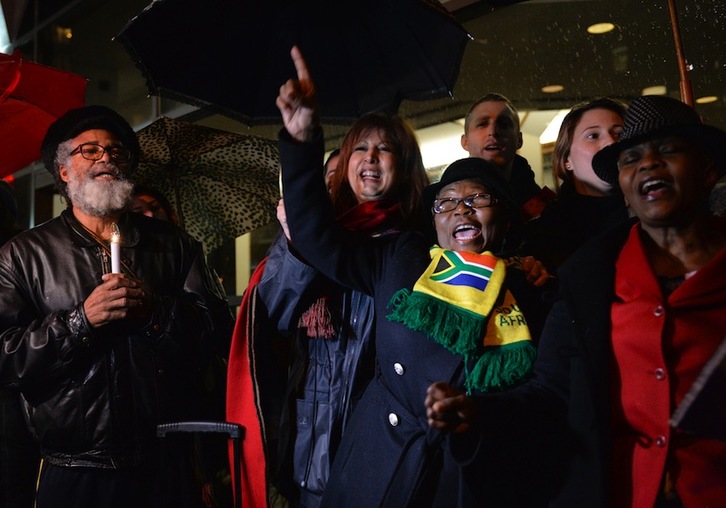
column 473, row 168
column 79, row 120
column 653, row 116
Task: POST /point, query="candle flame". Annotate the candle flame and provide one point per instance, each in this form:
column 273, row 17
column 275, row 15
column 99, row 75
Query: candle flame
column 115, row 233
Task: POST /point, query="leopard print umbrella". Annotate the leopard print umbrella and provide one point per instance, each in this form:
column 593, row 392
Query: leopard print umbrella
column 221, row 184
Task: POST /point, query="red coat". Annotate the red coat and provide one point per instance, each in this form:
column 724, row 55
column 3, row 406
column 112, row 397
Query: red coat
column 660, row 345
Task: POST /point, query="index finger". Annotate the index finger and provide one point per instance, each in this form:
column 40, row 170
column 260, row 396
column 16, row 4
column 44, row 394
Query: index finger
column 300, row 65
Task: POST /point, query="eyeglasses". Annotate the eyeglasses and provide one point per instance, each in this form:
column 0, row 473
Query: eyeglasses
column 94, row 152
column 480, row 200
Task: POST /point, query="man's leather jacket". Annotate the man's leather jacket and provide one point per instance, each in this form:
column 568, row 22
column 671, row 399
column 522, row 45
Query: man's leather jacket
column 94, row 396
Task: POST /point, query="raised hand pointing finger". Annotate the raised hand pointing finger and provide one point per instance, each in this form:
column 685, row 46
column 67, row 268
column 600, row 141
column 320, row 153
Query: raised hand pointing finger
column 296, row 101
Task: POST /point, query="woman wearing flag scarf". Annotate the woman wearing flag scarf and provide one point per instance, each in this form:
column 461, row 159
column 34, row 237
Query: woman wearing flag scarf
column 442, row 312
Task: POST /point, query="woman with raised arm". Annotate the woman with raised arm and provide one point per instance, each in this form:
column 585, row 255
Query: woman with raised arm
column 375, row 189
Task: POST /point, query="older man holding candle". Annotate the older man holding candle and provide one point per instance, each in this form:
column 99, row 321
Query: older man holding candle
column 106, row 318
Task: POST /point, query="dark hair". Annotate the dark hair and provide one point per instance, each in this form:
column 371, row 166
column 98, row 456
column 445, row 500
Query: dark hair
column 411, row 178
column 330, row 157
column 143, row 190
column 567, row 133
column 490, row 97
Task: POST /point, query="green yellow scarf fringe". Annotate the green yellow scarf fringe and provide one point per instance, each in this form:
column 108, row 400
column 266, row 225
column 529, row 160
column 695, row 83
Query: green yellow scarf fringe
column 460, row 303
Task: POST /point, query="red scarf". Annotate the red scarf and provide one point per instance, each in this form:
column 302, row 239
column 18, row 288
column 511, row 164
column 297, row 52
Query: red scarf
column 243, row 403
column 373, row 217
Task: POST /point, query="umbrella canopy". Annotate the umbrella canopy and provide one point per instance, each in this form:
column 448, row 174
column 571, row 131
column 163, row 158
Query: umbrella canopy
column 232, row 56
column 221, row 185
column 32, row 96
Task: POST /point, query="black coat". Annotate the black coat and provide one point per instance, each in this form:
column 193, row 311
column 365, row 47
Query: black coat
column 569, row 222
column 578, row 331
column 522, row 182
column 565, row 407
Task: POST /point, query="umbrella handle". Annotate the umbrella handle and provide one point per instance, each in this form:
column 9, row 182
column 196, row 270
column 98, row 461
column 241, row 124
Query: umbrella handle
column 686, row 89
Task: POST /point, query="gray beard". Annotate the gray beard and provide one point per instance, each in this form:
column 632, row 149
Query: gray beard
column 100, row 198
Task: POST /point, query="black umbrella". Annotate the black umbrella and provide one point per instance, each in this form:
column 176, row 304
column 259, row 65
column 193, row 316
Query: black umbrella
column 231, row 56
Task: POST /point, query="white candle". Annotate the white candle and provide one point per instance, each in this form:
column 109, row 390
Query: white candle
column 115, row 250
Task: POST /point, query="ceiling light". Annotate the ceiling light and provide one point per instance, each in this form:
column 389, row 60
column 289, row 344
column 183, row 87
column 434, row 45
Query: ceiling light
column 600, row 28
column 707, row 99
column 63, row 35
column 655, row 90
column 552, row 88
column 550, row 133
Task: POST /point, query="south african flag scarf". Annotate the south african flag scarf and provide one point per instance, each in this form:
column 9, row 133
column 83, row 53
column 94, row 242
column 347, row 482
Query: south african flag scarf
column 461, row 303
